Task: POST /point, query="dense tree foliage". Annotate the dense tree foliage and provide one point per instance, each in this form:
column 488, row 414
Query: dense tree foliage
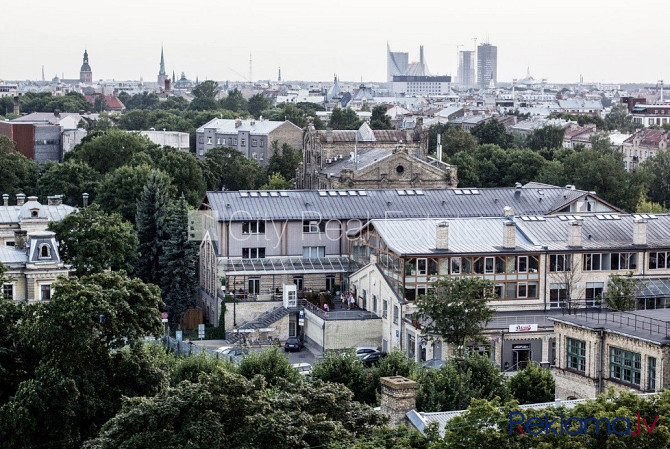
column 235, row 101
column 93, row 241
column 257, row 104
column 284, row 160
column 344, row 119
column 71, row 179
column 532, row 385
column 493, row 132
column 18, row 174
column 295, row 113
column 229, row 169
column 379, row 119
column 45, row 102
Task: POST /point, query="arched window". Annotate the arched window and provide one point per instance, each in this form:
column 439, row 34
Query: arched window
column 45, row 251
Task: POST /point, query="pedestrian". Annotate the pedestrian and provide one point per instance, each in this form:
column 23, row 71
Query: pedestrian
column 343, row 299
column 352, row 302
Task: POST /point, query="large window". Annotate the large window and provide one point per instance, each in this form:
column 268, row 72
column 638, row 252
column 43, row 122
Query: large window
column 396, row 314
column 313, row 252
column 651, row 374
column 558, row 295
column 560, row 262
column 592, row 262
column 659, row 260
column 576, row 351
column 253, row 253
column 253, row 227
column 313, row 226
column 623, row 261
column 45, row 292
column 594, row 293
column 625, row 366
column 8, row 291
column 385, row 308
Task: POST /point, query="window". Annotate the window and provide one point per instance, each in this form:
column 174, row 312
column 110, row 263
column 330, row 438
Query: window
column 330, row 283
column 8, row 291
column 560, row 262
column 313, row 252
column 522, row 290
column 254, row 286
column 658, row 260
column 235, row 141
column 253, row 253
column 594, row 293
column 313, row 226
column 385, row 308
column 558, row 295
column 488, row 265
column 218, row 141
column 576, row 351
column 209, row 141
column 10, row 243
column 299, row 282
column 253, row 227
column 396, row 313
column 625, row 366
column 230, row 141
column 374, row 303
column 243, row 142
column 45, row 251
column 623, row 261
column 592, row 262
column 45, row 292
column 201, row 139
column 421, row 269
column 651, row 374
column 455, row 265
column 522, row 264
column 254, row 142
column 421, row 290
column 261, row 143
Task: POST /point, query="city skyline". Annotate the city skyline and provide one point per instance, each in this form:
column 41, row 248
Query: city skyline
column 312, row 44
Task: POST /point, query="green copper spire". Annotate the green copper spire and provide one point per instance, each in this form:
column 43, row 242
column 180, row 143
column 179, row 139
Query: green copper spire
column 162, row 70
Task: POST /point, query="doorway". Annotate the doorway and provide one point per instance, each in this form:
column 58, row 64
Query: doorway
column 521, row 356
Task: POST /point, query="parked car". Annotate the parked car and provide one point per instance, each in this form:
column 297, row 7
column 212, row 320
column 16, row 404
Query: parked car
column 231, row 353
column 293, row 344
column 372, row 358
column 364, row 350
column 305, row 369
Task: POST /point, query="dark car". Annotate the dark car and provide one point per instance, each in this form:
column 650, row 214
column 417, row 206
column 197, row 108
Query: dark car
column 373, row 358
column 293, row 344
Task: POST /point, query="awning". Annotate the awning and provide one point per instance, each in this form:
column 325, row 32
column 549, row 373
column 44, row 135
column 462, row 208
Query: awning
column 287, row 265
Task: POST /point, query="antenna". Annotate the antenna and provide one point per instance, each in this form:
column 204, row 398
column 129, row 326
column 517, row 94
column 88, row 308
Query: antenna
column 251, row 78
column 42, row 72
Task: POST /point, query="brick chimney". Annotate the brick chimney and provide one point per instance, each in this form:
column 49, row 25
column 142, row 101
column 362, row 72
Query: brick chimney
column 574, row 233
column 509, row 235
column 20, row 199
column 55, row 200
column 398, row 398
column 442, row 236
column 238, row 123
column 5, row 200
column 17, row 105
column 508, row 211
column 20, row 237
column 639, row 231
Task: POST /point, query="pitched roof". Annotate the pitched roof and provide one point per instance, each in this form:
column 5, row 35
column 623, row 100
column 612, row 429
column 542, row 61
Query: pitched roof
column 227, row 126
column 15, row 214
column 393, row 203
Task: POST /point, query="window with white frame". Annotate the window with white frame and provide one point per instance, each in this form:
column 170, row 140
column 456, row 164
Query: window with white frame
column 253, row 227
column 455, row 265
column 313, row 252
column 421, row 267
column 45, row 251
column 625, row 366
column 558, row 295
column 253, row 253
column 594, row 293
column 522, row 264
column 45, row 292
column 396, row 314
column 313, row 226
column 385, row 308
column 659, row 260
column 593, row 262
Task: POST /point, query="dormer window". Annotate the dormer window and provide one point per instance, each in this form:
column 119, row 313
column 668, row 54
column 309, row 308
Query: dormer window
column 45, row 251
column 34, row 213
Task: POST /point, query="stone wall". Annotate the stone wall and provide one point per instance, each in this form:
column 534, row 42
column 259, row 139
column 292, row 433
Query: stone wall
column 247, row 311
column 397, row 399
column 342, row 334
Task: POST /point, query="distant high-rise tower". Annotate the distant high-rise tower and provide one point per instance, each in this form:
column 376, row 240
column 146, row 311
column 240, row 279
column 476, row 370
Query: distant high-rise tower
column 85, row 74
column 487, row 65
column 396, row 63
column 279, row 75
column 161, row 72
column 466, row 68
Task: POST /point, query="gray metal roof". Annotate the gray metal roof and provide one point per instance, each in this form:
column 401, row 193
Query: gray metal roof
column 254, row 127
column 11, row 255
column 386, row 203
column 481, row 235
column 15, row 214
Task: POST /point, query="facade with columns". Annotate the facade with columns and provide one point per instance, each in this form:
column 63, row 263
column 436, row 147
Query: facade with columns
column 541, row 266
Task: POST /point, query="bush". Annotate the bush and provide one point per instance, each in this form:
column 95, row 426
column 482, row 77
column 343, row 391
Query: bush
column 532, row 385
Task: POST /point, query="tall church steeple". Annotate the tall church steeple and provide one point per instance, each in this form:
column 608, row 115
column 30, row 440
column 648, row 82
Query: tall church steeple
column 85, row 73
column 162, row 69
column 162, row 77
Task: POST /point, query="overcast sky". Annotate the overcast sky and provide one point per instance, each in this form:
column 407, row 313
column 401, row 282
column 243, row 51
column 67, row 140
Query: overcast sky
column 606, row 41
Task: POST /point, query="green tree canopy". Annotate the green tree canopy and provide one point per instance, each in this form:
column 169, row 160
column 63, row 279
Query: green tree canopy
column 532, row 385
column 621, row 291
column 379, row 119
column 258, row 103
column 276, row 182
column 235, row 101
column 546, row 137
column 284, row 160
column 344, row 119
column 18, row 174
column 493, row 132
column 93, row 241
column 619, row 119
column 229, row 169
column 70, row 179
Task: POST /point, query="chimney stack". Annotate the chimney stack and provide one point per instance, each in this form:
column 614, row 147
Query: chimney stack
column 20, row 199
column 639, row 231
column 509, row 234
column 17, row 105
column 238, row 123
column 398, row 398
column 84, row 200
column 20, row 237
column 442, row 236
column 5, row 200
column 574, row 233
column 508, row 211
column 55, row 200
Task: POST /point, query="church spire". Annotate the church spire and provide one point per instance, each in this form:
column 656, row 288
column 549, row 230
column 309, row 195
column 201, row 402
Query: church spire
column 162, row 69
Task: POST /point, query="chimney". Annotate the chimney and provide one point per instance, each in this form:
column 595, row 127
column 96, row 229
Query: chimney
column 508, row 211
column 168, row 85
column 517, row 188
column 20, row 199
column 509, row 235
column 32, row 198
column 329, row 135
column 442, row 236
column 84, row 201
column 20, row 237
column 17, row 105
column 5, row 200
column 398, row 398
column 238, row 123
column 639, row 231
column 55, row 200
column 574, row 233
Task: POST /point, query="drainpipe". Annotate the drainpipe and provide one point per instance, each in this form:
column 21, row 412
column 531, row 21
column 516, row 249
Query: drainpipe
column 502, row 350
column 600, row 361
column 546, row 268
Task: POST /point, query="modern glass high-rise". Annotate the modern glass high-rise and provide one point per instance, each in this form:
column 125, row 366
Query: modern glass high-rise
column 466, row 69
column 487, row 65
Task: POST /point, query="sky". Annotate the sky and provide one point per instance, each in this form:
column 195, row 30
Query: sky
column 604, row 41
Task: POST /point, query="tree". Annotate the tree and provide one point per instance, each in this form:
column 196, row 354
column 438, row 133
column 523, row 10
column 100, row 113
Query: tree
column 152, row 214
column 185, row 171
column 494, row 132
column 379, row 119
column 546, row 137
column 235, row 101
column 455, row 140
column 93, row 241
column 75, row 369
column 229, row 169
column 456, row 309
column 271, row 365
column 645, row 206
column 532, row 385
column 276, row 182
column 284, row 161
column 18, row 174
column 224, row 409
column 178, row 263
column 257, row 104
column 345, row 369
column 621, row 292
column 458, row 382
column 657, row 168
column 70, row 179
column 344, row 119
column 619, row 119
